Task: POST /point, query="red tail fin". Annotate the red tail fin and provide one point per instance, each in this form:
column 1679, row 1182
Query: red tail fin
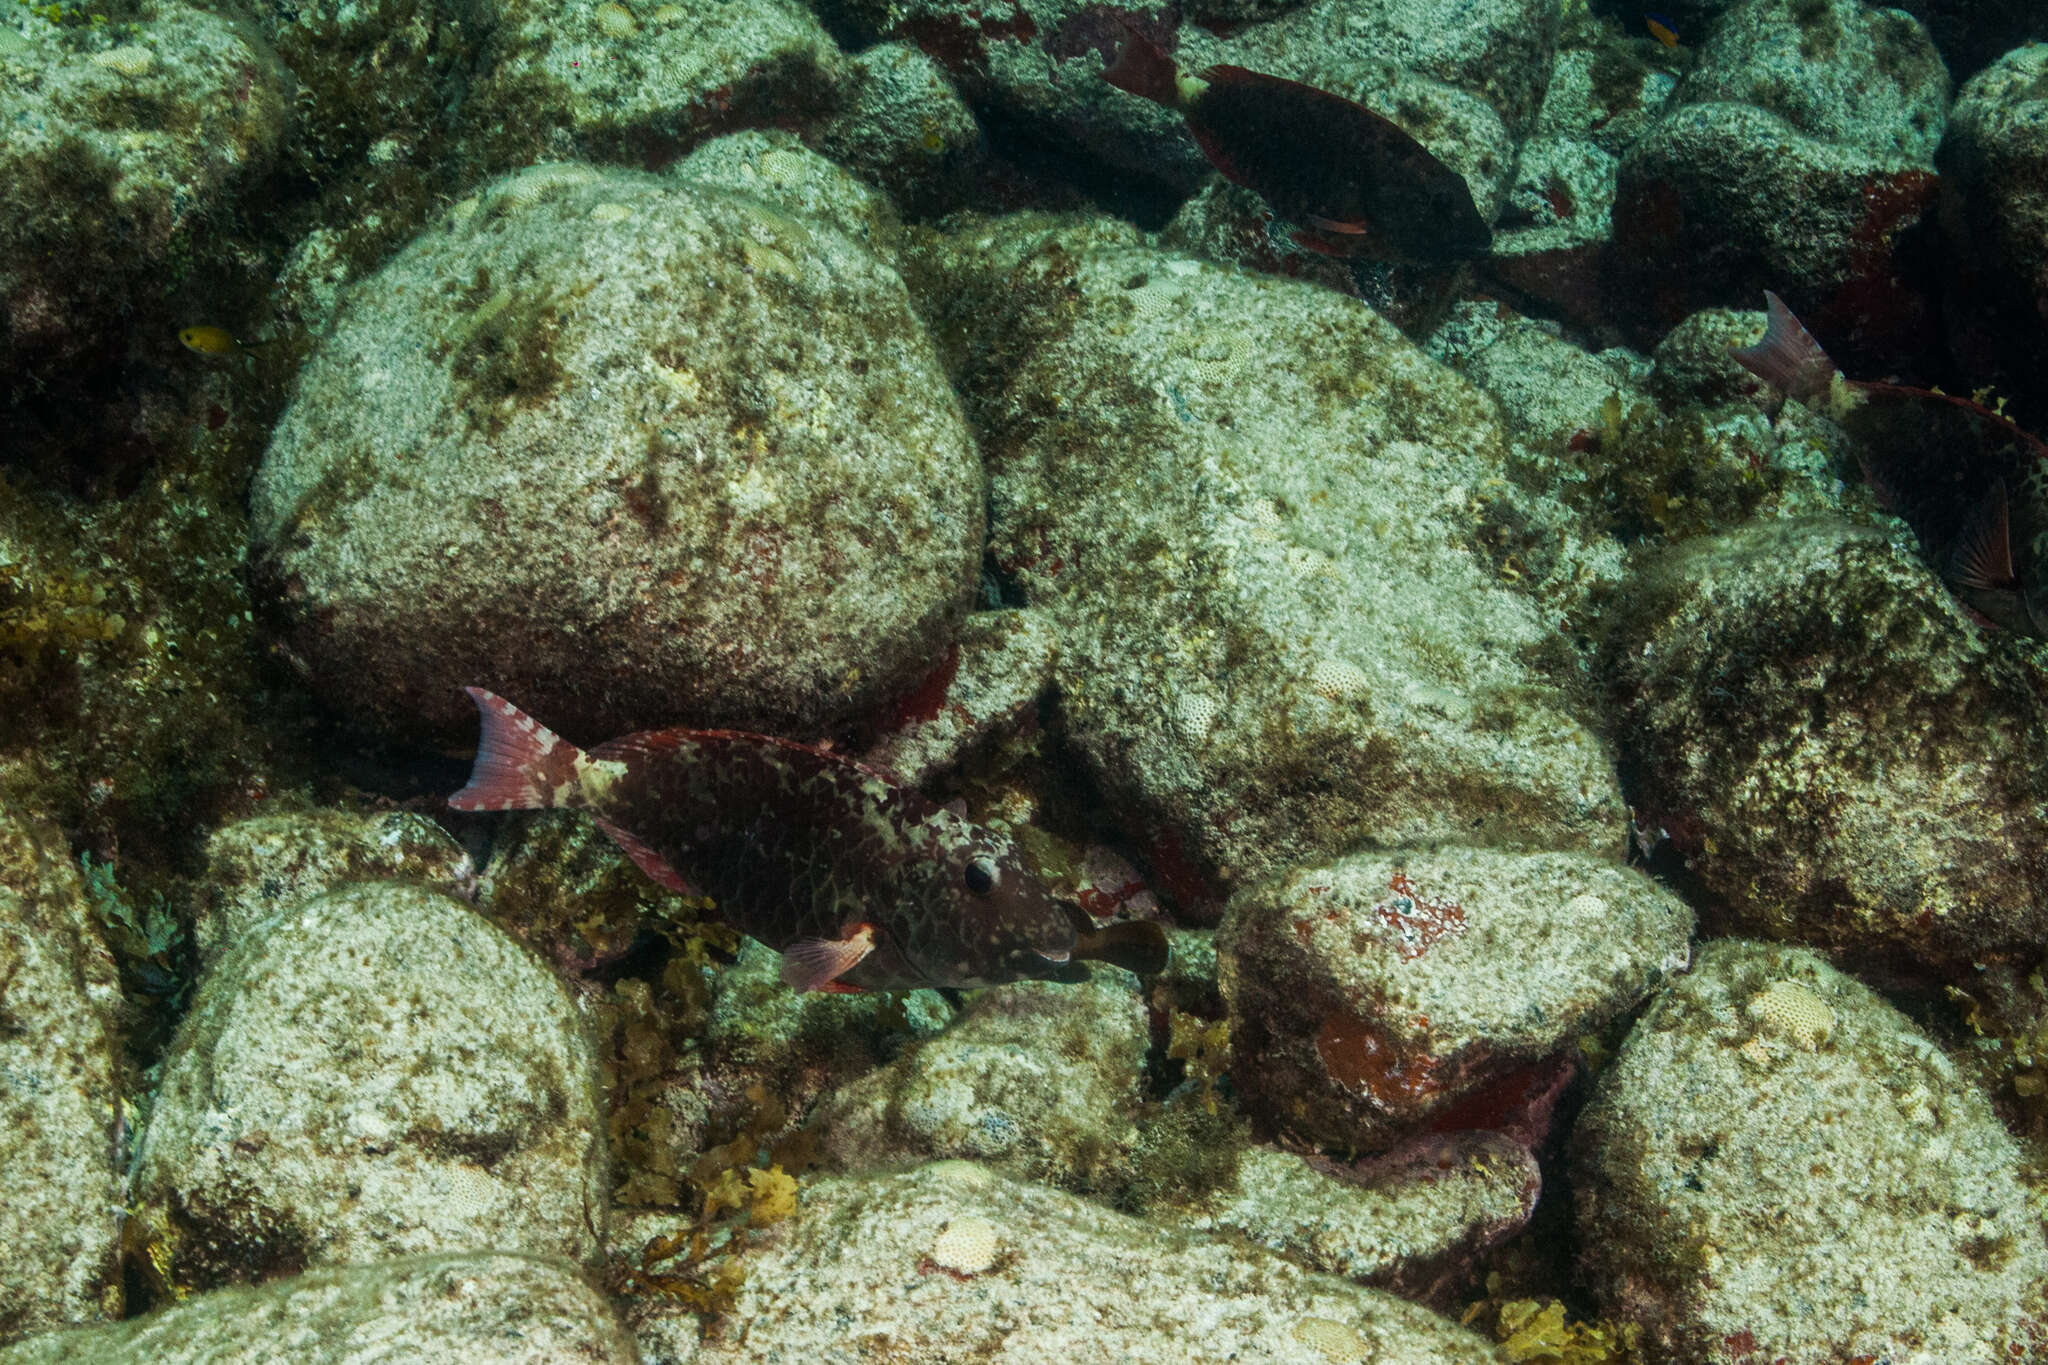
column 520, row 763
column 1141, row 68
column 1788, row 357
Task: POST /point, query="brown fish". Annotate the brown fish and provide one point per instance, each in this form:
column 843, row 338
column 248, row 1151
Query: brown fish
column 859, row 882
column 1356, row 182
column 1973, row 486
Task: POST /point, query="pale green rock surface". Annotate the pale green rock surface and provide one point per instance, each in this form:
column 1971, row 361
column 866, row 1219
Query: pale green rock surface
column 1779, row 1154
column 630, row 451
column 1270, row 532
column 59, row 998
column 476, row 1308
column 259, row 866
column 853, row 1277
column 1370, row 993
column 375, row 1072
column 1038, row 1078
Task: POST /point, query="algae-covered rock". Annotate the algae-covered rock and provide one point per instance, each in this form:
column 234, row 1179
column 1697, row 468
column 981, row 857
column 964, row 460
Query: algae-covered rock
column 376, row 1072
column 955, row 1263
column 1795, row 156
column 1414, row 1224
column 1839, row 756
column 1273, row 538
column 642, row 83
column 1778, row 1158
column 123, row 139
column 267, row 863
column 628, row 450
column 1994, row 219
column 1370, row 994
column 58, row 1094
column 905, row 127
column 455, row 1309
column 1037, row 1078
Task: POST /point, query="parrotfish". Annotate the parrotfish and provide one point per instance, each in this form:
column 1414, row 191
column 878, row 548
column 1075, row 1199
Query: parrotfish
column 1357, row 182
column 860, row 883
column 1972, row 485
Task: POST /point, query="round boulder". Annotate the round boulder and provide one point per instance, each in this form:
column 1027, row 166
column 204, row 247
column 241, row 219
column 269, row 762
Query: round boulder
column 377, row 1072
column 629, row 450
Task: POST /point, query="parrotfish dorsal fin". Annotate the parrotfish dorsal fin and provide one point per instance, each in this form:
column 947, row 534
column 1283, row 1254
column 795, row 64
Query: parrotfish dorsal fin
column 520, row 763
column 1788, row 358
column 1982, row 555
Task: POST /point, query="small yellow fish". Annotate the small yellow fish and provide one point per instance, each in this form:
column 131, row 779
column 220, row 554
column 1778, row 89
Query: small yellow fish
column 211, row 341
column 1662, row 29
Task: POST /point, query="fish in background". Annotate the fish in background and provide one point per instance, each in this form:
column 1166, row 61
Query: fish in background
column 1661, row 28
column 1356, row 182
column 1973, row 486
column 858, row 882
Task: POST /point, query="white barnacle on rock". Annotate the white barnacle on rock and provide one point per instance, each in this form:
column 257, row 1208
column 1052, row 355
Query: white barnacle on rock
column 130, row 59
column 1194, row 715
column 967, row 1246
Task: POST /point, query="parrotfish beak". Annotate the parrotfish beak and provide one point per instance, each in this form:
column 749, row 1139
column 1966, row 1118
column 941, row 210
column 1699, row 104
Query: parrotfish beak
column 1055, row 954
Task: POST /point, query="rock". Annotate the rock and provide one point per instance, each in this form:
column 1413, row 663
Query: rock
column 1264, row 527
column 642, row 84
column 59, row 1101
column 427, row 1310
column 1037, row 1078
column 1415, row 1225
column 991, row 680
column 379, row 1072
column 122, row 139
column 1779, row 1166
column 904, row 127
column 1994, row 218
column 1796, row 154
column 1369, row 995
column 778, row 168
column 861, row 1264
column 631, row 451
column 269, row 863
column 1838, row 755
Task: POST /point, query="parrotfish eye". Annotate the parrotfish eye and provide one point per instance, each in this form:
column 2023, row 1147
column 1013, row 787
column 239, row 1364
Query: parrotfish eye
column 981, row 876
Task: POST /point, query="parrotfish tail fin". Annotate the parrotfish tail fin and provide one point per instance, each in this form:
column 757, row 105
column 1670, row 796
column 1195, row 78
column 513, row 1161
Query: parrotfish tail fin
column 1982, row 555
column 520, row 763
column 1788, row 358
column 1144, row 70
column 816, row 964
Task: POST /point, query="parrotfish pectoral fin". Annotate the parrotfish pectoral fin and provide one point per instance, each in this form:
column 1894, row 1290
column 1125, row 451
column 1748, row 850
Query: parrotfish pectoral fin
column 647, row 860
column 815, row 964
column 520, row 763
column 1982, row 555
column 1788, row 358
column 1144, row 70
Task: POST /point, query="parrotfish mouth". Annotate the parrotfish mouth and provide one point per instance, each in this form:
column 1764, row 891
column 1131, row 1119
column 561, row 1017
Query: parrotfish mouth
column 1053, row 955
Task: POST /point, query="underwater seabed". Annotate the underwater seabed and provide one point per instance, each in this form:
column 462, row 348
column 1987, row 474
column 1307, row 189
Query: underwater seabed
column 1411, row 804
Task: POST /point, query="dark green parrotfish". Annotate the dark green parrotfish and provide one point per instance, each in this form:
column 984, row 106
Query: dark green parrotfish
column 1973, row 486
column 1356, row 182
column 860, row 883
